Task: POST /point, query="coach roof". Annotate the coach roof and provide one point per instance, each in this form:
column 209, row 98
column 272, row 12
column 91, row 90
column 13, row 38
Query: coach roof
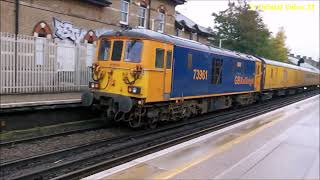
column 178, row 41
column 282, row 64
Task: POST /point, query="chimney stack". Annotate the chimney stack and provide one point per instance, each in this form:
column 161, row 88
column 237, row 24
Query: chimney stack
column 301, row 60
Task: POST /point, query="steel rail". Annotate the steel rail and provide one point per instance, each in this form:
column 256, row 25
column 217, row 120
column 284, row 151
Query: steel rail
column 37, row 138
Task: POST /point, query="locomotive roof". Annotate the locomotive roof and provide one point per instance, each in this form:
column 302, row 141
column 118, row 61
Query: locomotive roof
column 178, row 41
column 182, row 42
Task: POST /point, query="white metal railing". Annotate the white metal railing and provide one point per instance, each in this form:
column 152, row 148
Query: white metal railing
column 43, row 66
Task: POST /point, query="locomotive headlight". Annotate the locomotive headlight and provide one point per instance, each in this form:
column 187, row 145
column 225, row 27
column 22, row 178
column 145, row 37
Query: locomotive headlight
column 94, row 85
column 134, row 89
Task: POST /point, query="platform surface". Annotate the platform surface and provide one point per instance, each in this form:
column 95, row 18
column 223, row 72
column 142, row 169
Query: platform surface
column 282, row 144
column 27, row 100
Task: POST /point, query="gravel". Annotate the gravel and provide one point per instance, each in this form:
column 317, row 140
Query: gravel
column 24, row 150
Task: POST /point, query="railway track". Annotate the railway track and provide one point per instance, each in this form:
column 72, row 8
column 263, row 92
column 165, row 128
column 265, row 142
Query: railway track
column 83, row 160
column 37, row 138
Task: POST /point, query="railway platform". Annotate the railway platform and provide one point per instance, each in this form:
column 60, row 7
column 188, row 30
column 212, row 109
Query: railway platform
column 282, row 144
column 32, row 100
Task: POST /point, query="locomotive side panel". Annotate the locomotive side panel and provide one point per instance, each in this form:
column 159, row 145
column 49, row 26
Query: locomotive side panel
column 198, row 73
column 190, row 73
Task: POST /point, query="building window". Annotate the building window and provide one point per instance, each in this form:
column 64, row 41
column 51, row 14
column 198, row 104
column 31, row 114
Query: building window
column 142, row 17
column 161, row 21
column 159, row 58
column 90, row 37
column 178, row 32
column 42, row 29
column 194, row 36
column 124, row 12
column 216, row 71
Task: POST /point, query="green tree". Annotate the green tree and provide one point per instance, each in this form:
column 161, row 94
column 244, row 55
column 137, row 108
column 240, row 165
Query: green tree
column 278, row 45
column 242, row 29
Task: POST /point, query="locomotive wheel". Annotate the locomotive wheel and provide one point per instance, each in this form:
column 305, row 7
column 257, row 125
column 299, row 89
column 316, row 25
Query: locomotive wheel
column 186, row 113
column 152, row 123
column 134, row 122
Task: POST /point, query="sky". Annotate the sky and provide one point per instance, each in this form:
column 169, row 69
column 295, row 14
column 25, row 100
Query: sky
column 299, row 18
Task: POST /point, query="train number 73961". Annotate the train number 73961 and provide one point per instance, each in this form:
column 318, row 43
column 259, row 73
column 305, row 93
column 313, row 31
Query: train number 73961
column 199, row 74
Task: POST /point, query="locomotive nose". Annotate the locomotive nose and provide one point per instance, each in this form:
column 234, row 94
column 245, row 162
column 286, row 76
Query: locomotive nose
column 117, row 102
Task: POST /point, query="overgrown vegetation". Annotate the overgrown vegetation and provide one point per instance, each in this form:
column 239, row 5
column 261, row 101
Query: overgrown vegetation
column 241, row 29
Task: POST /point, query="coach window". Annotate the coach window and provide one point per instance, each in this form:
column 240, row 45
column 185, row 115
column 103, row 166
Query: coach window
column 190, row 61
column 159, row 58
column 169, row 59
column 271, row 76
column 216, row 71
column 104, row 50
column 117, row 50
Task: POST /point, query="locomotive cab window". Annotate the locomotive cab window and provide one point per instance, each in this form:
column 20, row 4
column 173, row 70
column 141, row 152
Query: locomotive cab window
column 104, row 50
column 159, row 58
column 169, row 59
column 117, row 50
column 133, row 51
column 216, row 71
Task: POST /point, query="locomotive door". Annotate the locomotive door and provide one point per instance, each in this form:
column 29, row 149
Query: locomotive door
column 257, row 85
column 167, row 74
column 161, row 78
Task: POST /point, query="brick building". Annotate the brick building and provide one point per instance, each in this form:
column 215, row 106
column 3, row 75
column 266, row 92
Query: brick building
column 188, row 29
column 83, row 20
column 49, row 45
